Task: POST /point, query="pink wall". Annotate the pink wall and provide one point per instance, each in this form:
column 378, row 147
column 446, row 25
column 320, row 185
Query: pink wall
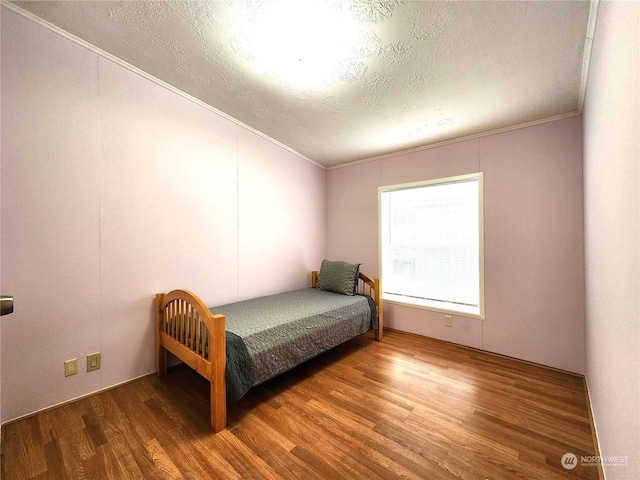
column 113, row 189
column 612, row 234
column 533, row 224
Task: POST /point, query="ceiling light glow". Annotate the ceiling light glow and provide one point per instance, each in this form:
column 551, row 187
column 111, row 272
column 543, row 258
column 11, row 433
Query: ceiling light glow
column 301, row 43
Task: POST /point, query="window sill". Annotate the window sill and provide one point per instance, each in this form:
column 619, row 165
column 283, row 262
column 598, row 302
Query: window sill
column 442, row 307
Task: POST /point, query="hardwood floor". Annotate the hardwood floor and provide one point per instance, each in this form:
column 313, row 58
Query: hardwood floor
column 406, row 407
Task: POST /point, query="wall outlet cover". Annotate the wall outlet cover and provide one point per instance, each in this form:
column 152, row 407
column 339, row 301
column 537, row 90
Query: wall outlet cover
column 71, row 367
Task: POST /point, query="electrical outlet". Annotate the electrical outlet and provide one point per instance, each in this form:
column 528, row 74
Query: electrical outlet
column 71, row 367
column 448, row 321
column 93, row 362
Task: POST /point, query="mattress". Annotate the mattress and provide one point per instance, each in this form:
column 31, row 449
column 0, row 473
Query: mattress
column 269, row 335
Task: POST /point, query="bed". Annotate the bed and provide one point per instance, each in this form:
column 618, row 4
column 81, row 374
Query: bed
column 241, row 345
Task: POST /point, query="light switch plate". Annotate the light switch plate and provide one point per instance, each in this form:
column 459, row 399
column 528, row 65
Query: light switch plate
column 93, row 362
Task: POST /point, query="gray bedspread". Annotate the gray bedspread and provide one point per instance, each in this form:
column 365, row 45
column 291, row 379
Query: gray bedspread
column 269, row 335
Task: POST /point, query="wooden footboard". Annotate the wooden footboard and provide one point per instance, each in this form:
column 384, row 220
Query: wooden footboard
column 366, row 286
column 186, row 328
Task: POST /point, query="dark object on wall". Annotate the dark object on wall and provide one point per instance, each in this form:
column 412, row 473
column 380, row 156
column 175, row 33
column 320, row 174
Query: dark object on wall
column 6, row 304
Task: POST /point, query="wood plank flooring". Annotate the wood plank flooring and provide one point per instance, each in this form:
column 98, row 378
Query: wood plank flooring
column 406, row 407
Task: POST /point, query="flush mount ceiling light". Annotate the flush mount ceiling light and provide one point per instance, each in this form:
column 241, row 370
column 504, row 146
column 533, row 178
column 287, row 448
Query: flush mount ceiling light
column 302, row 44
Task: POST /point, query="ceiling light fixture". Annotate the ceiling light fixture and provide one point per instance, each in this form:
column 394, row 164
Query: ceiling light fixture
column 303, row 44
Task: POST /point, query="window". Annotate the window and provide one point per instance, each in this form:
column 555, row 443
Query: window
column 431, row 249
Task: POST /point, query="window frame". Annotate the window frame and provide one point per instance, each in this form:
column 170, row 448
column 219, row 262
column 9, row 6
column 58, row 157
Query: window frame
column 431, row 305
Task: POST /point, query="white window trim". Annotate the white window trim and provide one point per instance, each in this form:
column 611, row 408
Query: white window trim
column 427, row 304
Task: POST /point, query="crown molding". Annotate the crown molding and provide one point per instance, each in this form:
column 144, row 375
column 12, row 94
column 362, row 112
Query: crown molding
column 459, row 139
column 588, row 45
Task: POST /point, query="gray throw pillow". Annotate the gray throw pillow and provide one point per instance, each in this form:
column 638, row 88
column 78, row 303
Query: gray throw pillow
column 338, row 277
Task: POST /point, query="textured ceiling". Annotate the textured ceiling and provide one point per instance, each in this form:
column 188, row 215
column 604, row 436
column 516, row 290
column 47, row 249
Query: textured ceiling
column 408, row 75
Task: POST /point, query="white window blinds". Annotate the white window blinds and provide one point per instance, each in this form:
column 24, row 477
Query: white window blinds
column 430, row 242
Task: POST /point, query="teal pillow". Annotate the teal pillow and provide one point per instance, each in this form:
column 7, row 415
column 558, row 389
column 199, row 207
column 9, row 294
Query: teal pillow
column 338, row 277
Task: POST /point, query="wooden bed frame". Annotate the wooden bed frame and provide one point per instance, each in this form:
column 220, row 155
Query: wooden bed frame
column 182, row 338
